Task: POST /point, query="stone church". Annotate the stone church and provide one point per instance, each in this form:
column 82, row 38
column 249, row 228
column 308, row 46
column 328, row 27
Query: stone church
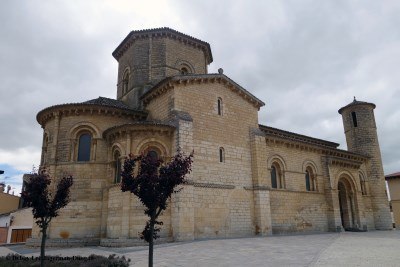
column 247, row 179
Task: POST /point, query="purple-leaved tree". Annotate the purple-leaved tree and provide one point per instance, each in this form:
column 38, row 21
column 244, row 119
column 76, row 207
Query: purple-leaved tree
column 153, row 182
column 44, row 206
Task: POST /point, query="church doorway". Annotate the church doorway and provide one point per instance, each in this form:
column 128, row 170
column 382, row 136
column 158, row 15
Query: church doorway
column 347, row 204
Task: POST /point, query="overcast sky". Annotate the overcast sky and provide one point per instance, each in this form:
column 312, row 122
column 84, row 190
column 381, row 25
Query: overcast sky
column 305, row 59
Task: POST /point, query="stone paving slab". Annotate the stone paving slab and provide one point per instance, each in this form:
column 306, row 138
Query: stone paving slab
column 377, row 248
column 380, row 248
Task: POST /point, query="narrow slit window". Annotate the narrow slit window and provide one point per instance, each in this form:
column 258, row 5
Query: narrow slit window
column 125, row 82
column 221, row 154
column 117, row 167
column 219, row 103
column 354, row 117
column 274, row 183
column 363, row 186
column 308, row 184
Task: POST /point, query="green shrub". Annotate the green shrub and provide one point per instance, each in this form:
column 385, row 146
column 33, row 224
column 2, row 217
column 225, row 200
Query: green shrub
column 16, row 260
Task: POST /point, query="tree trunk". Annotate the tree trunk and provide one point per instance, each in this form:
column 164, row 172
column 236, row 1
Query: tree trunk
column 43, row 245
column 152, row 220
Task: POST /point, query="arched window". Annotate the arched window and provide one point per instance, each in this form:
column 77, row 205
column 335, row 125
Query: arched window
column 310, row 180
column 219, row 106
column 363, row 185
column 276, row 176
column 184, row 71
column 125, row 82
column 153, row 154
column 117, row 167
column 84, row 145
column 221, row 154
column 154, row 150
column 184, row 67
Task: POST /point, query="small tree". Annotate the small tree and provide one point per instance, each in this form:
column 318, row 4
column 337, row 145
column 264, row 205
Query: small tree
column 45, row 207
column 153, row 183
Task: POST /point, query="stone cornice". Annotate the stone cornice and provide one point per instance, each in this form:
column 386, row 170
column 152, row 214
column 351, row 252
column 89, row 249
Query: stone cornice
column 270, row 131
column 170, row 83
column 81, row 108
column 315, row 148
column 343, row 162
column 141, row 126
column 279, row 190
column 210, row 185
column 257, row 187
column 162, row 33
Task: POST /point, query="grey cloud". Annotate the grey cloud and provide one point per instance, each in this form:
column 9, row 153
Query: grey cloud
column 304, row 59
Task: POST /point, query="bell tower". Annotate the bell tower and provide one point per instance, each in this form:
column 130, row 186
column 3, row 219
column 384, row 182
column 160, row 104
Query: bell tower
column 361, row 137
column 146, row 57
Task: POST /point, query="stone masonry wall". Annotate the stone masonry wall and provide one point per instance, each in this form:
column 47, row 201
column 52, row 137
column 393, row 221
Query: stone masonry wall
column 212, row 131
column 178, row 54
column 220, row 212
column 82, row 217
column 160, row 107
column 125, row 207
column 298, row 211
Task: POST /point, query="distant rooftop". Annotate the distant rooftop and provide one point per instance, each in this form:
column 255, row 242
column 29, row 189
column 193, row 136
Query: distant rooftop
column 393, row 176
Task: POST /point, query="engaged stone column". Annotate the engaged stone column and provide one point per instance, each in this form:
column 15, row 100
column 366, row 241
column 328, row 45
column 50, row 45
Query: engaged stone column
column 262, row 207
column 331, row 197
column 182, row 210
column 126, row 212
column 334, row 219
column 262, row 212
column 182, row 214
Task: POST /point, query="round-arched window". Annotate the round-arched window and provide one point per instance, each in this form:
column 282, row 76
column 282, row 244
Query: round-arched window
column 153, row 154
column 85, row 141
column 184, row 71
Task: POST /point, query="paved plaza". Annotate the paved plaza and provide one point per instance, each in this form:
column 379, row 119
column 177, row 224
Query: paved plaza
column 376, row 248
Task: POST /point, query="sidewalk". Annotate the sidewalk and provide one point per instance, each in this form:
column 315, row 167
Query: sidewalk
column 377, row 248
